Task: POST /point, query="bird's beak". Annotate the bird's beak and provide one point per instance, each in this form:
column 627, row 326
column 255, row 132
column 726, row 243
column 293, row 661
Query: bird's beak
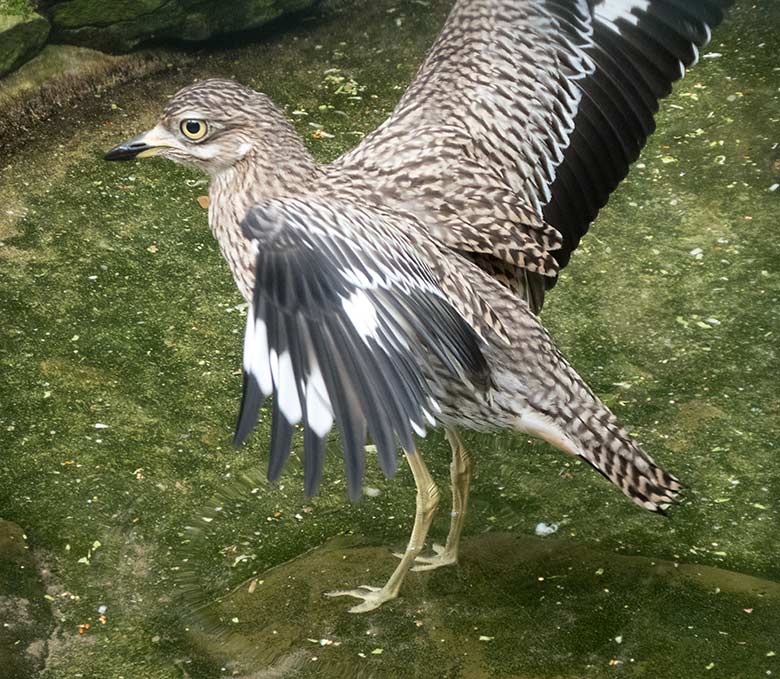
column 143, row 145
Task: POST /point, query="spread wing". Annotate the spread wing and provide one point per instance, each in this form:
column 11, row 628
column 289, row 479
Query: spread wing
column 346, row 326
column 552, row 99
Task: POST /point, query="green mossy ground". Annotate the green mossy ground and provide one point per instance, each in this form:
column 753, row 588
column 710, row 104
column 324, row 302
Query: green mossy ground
column 16, row 7
column 118, row 311
column 25, row 611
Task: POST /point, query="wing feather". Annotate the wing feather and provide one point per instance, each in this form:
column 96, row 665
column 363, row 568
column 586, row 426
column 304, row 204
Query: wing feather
column 347, row 326
column 551, row 100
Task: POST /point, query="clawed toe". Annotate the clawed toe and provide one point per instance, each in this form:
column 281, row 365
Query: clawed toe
column 442, row 557
column 373, row 597
column 358, row 592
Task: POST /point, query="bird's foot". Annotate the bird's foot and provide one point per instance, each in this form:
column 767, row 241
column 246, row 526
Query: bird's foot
column 442, row 557
column 373, row 597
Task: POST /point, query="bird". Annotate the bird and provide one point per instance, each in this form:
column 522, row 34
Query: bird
column 397, row 288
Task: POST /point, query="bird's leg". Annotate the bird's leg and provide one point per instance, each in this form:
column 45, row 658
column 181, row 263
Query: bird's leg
column 427, row 501
column 460, row 475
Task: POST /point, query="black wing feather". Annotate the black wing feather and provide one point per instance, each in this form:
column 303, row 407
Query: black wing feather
column 346, row 327
column 281, row 441
column 636, row 58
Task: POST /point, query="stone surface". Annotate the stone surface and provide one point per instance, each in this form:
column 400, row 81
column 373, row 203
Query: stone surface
column 58, row 79
column 517, row 606
column 25, row 617
column 120, row 26
column 54, row 61
column 21, row 38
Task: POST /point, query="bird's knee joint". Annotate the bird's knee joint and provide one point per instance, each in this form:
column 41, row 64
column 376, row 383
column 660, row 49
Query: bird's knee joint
column 428, row 499
column 460, row 469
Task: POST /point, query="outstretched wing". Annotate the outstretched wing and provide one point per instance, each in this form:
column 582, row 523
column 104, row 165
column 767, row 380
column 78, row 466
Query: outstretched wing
column 346, row 326
column 553, row 99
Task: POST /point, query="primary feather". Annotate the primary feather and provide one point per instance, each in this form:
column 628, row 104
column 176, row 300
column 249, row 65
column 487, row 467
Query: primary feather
column 522, row 120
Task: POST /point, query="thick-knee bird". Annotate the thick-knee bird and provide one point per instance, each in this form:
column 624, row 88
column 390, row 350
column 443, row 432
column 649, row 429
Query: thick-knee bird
column 396, row 288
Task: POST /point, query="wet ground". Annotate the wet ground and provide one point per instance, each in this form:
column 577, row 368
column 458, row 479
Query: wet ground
column 137, row 532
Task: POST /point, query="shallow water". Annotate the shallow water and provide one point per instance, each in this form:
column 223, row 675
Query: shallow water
column 118, row 311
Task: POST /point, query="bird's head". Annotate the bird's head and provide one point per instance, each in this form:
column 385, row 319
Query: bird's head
column 210, row 125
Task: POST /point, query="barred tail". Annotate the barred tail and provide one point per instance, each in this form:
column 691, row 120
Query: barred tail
column 586, row 428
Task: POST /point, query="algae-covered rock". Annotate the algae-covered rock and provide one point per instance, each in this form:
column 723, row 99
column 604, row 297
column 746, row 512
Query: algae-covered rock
column 21, row 38
column 517, row 606
column 119, row 26
column 60, row 65
column 58, row 78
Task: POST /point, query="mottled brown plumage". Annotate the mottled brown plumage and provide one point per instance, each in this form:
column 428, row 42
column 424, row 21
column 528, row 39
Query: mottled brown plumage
column 396, row 287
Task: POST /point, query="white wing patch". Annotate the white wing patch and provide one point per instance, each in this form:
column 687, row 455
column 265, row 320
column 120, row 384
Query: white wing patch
column 319, row 413
column 286, row 389
column 361, row 313
column 271, row 370
column 256, row 353
column 611, row 10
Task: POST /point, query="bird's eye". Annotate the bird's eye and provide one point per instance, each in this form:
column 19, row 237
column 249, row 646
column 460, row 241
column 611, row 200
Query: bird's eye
column 193, row 129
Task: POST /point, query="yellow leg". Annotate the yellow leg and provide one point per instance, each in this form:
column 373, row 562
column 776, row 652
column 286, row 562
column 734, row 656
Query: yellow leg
column 460, row 475
column 427, row 501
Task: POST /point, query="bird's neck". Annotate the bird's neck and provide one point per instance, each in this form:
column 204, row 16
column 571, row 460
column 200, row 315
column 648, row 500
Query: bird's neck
column 265, row 172
column 286, row 169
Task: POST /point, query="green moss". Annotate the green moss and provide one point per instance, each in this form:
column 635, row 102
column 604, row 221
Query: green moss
column 55, row 61
column 99, row 327
column 24, row 610
column 120, row 26
column 78, row 13
column 21, row 37
column 517, row 606
column 59, row 79
column 16, row 8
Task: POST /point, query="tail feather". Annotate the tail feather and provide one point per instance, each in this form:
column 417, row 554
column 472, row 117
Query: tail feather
column 586, row 428
column 607, row 447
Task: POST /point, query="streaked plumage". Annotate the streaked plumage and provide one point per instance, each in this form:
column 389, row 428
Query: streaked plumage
column 396, row 287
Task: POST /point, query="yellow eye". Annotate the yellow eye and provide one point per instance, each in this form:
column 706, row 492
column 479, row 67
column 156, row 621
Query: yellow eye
column 193, row 129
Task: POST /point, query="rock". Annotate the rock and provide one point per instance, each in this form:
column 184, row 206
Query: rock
column 25, row 617
column 21, row 38
column 517, row 606
column 58, row 78
column 64, row 63
column 120, row 26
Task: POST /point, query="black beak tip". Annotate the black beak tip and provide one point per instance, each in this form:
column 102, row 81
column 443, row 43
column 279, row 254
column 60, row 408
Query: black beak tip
column 128, row 150
column 121, row 152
